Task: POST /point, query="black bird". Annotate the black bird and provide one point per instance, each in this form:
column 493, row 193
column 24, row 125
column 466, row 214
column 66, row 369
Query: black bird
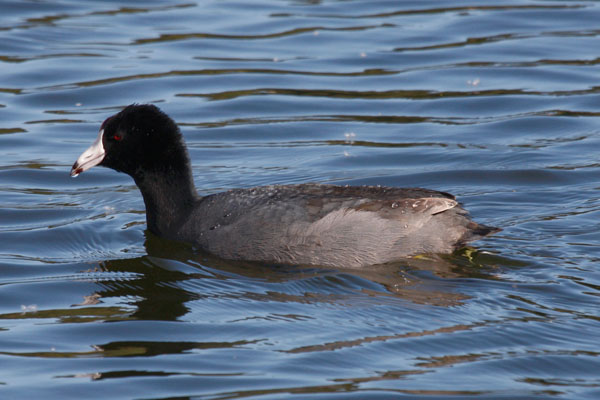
column 328, row 225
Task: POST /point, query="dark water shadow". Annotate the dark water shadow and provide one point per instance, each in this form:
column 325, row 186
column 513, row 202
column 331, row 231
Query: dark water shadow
column 157, row 279
column 173, row 278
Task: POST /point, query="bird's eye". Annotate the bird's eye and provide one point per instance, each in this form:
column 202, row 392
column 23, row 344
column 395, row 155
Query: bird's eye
column 117, row 137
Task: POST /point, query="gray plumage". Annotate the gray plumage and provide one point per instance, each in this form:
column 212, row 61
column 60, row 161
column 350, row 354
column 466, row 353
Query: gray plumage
column 329, row 225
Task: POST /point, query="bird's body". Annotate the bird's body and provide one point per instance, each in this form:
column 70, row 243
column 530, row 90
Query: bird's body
column 344, row 226
column 326, row 224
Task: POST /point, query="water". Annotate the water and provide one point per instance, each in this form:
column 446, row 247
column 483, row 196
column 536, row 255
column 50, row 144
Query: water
column 494, row 102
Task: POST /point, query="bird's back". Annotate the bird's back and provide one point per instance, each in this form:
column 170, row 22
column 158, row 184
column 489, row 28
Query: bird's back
column 344, row 226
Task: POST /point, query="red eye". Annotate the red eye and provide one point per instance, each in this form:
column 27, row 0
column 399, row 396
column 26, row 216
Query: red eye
column 117, row 137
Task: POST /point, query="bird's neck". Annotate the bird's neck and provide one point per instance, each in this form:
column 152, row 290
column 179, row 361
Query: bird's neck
column 169, row 197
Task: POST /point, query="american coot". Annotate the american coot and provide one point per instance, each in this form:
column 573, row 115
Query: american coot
column 344, row 226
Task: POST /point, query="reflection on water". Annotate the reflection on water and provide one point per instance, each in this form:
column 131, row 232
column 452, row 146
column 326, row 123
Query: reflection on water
column 496, row 103
column 162, row 284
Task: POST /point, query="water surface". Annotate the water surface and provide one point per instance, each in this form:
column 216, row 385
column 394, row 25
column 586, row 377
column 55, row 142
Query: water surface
column 495, row 102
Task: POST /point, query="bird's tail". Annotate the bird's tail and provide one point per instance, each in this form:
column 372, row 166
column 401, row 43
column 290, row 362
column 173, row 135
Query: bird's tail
column 476, row 231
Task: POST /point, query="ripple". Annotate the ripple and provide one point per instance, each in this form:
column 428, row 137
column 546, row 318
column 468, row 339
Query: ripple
column 496, row 103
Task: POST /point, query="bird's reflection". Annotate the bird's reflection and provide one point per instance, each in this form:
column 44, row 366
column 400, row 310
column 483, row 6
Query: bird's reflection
column 157, row 291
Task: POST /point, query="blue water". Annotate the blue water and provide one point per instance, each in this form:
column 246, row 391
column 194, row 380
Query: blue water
column 495, row 102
